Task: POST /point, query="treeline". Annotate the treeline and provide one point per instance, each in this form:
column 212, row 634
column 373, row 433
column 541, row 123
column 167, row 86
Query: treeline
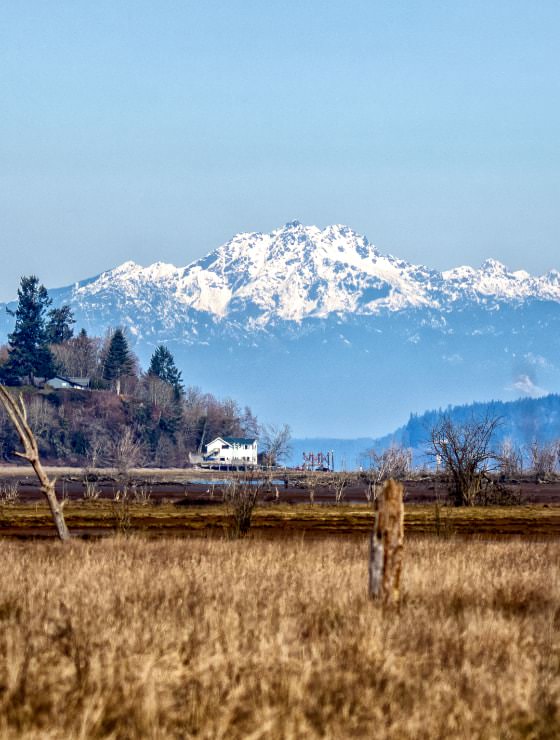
column 522, row 421
column 128, row 415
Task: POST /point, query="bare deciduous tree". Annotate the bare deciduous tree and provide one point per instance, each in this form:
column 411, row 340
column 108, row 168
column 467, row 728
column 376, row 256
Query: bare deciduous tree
column 510, row 459
column 464, row 449
column 394, row 462
column 275, row 441
column 544, row 457
column 18, row 415
column 78, row 356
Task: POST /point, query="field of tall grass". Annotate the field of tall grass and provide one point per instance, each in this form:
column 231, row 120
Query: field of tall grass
column 213, row 638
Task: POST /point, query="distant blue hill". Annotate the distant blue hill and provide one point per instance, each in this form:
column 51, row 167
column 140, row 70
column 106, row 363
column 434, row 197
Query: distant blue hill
column 521, row 421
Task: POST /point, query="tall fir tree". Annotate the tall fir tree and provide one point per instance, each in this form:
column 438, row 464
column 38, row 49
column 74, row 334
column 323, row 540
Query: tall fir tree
column 118, row 361
column 59, row 326
column 162, row 365
column 29, row 356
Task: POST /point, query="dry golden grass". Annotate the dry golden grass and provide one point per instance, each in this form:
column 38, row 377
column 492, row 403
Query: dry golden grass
column 128, row 638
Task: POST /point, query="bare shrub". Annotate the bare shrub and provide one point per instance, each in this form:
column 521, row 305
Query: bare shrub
column 310, row 483
column 464, row 450
column 141, row 493
column 339, row 482
column 240, row 497
column 270, row 488
column 91, row 489
column 9, row 492
column 120, row 508
column 493, row 493
column 127, row 452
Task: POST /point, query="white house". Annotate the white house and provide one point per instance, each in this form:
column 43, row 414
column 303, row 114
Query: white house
column 240, row 451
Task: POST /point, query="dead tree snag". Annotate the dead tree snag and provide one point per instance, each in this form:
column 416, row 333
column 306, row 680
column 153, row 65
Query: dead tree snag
column 18, row 415
column 386, row 545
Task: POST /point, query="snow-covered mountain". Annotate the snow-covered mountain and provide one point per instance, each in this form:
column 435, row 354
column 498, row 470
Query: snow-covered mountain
column 316, row 326
column 295, row 273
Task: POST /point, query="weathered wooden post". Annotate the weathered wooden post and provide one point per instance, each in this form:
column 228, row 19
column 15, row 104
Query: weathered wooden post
column 18, row 415
column 386, row 544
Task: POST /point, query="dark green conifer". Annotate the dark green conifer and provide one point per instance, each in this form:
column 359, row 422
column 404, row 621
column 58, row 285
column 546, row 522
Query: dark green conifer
column 118, row 362
column 59, row 326
column 29, row 356
column 162, row 365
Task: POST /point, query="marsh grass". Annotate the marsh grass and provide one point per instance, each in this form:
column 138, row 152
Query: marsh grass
column 130, row 638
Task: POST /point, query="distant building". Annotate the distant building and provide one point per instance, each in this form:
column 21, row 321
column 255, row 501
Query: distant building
column 235, row 451
column 61, row 381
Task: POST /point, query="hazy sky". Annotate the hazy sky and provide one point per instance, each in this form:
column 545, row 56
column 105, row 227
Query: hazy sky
column 156, row 130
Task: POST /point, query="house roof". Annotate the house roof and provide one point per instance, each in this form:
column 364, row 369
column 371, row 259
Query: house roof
column 235, row 440
column 71, row 380
column 239, row 440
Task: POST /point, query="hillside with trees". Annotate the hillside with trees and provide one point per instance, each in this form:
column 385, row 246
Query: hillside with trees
column 521, row 424
column 146, row 417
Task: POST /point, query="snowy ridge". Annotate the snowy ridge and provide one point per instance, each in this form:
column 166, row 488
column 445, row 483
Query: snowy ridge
column 297, row 324
column 298, row 272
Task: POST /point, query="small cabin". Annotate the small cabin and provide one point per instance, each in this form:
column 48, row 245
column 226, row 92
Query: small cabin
column 61, row 381
column 234, row 451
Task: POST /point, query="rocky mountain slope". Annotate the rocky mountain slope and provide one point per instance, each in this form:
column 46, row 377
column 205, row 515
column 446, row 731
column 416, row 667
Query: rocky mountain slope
column 318, row 328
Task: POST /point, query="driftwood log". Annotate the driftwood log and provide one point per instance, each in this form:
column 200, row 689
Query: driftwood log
column 18, row 415
column 386, row 545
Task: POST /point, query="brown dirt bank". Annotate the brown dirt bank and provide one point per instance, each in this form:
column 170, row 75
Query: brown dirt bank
column 105, row 517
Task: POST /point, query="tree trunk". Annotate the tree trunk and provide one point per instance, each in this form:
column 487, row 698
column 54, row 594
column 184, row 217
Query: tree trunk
column 57, row 513
column 386, row 545
column 18, row 416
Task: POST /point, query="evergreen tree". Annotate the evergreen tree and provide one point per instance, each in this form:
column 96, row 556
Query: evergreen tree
column 118, row 361
column 29, row 356
column 59, row 326
column 162, row 365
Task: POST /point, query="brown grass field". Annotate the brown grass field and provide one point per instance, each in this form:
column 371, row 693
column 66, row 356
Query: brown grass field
column 126, row 637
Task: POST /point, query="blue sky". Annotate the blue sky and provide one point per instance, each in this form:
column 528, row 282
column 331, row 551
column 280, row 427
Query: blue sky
column 156, row 130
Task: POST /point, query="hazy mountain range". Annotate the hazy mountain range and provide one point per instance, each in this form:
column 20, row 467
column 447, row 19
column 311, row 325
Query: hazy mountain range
column 317, row 328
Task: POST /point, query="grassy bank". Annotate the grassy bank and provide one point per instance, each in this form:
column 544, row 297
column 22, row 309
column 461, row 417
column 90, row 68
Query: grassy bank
column 97, row 517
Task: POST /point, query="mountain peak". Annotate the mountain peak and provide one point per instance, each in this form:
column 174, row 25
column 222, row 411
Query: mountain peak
column 493, row 265
column 299, row 272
